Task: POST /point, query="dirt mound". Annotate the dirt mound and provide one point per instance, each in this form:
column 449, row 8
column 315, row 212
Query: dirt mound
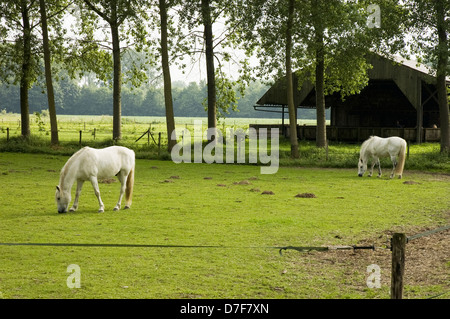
column 306, row 195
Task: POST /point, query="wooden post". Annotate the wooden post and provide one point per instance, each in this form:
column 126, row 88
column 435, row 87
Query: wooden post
column 94, row 132
column 419, row 108
column 398, row 265
column 159, row 144
column 7, row 134
column 81, row 132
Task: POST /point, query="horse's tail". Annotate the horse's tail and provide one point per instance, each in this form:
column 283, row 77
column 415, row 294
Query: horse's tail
column 129, row 187
column 401, row 159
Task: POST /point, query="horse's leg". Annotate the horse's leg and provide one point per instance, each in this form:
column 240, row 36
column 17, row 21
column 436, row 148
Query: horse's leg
column 374, row 161
column 77, row 196
column 394, row 164
column 123, row 183
column 379, row 167
column 94, row 183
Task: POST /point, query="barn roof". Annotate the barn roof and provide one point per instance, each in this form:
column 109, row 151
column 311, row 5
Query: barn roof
column 406, row 74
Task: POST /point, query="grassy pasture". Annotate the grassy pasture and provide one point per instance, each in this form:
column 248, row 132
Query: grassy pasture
column 204, row 207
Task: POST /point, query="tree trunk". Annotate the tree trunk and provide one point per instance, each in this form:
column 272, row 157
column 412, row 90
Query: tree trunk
column 321, row 133
column 210, row 72
column 48, row 76
column 170, row 121
column 117, row 85
column 290, row 86
column 26, row 68
column 441, row 75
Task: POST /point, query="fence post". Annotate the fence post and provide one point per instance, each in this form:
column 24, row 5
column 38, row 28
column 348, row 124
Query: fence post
column 159, row 144
column 7, row 134
column 81, row 132
column 398, row 265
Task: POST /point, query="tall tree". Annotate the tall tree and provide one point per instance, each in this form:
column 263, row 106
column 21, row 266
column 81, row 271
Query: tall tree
column 319, row 48
column 204, row 41
column 20, row 48
column 268, row 31
column 330, row 40
column 48, row 75
column 432, row 18
column 335, row 42
column 116, row 13
column 290, row 85
column 442, row 9
column 17, row 60
column 209, row 53
column 339, row 36
column 170, row 121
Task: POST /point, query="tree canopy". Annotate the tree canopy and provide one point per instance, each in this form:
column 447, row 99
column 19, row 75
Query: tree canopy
column 109, row 52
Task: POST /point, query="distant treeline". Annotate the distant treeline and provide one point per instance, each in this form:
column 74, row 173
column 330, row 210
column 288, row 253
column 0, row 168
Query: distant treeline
column 73, row 99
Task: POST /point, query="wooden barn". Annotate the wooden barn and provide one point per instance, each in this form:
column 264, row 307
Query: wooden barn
column 400, row 99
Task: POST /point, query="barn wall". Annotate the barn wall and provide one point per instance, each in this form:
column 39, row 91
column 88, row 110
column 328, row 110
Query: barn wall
column 356, row 134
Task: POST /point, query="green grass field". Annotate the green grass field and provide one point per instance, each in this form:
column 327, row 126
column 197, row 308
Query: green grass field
column 207, row 206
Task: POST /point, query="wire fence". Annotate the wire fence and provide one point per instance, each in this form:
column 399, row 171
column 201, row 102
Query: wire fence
column 152, row 139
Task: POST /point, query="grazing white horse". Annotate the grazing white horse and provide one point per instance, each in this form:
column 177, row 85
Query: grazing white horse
column 90, row 164
column 377, row 147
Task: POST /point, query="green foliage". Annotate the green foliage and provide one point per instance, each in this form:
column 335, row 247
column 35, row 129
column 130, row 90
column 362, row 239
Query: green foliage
column 12, row 37
column 423, row 19
column 92, row 99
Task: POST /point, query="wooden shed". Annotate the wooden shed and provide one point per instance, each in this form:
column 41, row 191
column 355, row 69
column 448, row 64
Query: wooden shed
column 400, row 99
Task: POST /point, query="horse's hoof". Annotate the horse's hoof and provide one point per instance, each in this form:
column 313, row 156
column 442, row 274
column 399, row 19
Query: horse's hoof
column 116, row 208
column 72, row 209
column 126, row 207
column 101, row 210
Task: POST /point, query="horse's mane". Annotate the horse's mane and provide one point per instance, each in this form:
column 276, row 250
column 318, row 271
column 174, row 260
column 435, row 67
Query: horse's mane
column 68, row 163
column 365, row 144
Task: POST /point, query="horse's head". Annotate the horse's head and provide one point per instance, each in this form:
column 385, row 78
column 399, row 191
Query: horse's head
column 362, row 167
column 62, row 200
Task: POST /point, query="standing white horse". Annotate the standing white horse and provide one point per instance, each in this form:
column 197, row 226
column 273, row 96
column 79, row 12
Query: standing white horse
column 90, row 164
column 377, row 147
